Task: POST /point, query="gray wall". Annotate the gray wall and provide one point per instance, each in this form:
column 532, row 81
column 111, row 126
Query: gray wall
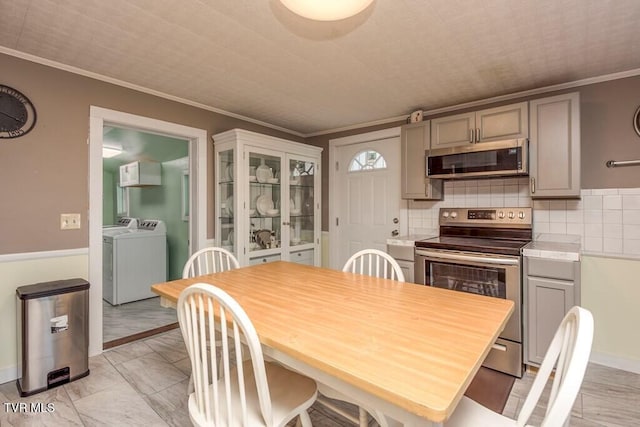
column 44, row 173
column 606, row 111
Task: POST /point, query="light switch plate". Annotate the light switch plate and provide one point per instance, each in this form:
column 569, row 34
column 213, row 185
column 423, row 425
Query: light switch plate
column 70, row 221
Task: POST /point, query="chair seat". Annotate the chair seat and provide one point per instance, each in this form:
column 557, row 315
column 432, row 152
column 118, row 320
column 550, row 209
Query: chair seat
column 289, row 392
column 470, row 413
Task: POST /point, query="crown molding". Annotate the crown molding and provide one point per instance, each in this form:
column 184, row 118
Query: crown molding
column 117, row 82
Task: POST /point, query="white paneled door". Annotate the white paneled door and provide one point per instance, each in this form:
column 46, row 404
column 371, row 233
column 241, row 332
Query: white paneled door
column 368, row 185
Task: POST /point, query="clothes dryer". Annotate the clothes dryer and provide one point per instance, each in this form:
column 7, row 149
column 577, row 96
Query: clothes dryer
column 132, row 260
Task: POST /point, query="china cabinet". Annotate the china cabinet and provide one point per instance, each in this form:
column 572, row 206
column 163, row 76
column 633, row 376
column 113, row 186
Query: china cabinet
column 267, row 201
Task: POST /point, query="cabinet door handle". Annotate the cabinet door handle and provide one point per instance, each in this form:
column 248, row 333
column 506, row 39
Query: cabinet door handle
column 477, row 134
column 471, row 131
column 533, row 185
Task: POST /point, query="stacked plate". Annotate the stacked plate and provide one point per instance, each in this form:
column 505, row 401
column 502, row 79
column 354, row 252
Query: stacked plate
column 264, row 204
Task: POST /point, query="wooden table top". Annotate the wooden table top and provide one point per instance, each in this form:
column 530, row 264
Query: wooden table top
column 415, row 346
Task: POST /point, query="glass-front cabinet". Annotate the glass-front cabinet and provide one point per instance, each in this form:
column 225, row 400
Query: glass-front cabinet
column 267, row 198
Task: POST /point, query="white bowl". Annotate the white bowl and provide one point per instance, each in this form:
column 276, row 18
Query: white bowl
column 273, row 212
column 295, row 211
column 252, row 178
column 272, row 180
column 294, row 181
column 252, row 211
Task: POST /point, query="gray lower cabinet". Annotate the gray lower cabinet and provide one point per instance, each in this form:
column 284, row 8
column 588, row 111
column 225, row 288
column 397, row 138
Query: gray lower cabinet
column 551, row 288
column 414, row 143
column 554, row 150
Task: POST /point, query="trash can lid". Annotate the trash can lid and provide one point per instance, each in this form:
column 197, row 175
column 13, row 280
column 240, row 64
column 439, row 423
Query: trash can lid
column 47, row 289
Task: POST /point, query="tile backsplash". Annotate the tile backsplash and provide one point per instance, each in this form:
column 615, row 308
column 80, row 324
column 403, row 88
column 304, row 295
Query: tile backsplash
column 607, row 220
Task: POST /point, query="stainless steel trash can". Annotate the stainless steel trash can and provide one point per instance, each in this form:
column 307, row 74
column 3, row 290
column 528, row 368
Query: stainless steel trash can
column 53, row 334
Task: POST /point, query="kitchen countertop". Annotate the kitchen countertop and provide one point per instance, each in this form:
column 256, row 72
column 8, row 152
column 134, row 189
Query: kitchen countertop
column 409, row 240
column 559, row 247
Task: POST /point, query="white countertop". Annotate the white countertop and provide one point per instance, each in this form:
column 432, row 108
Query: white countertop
column 560, row 247
column 409, row 240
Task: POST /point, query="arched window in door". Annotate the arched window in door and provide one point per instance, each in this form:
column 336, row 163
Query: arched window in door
column 366, row 161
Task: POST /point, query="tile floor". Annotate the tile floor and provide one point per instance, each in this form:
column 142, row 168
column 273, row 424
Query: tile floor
column 144, row 383
column 127, row 319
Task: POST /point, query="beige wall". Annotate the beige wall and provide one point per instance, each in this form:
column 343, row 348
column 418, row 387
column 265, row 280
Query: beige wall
column 44, row 173
column 26, row 272
column 610, row 289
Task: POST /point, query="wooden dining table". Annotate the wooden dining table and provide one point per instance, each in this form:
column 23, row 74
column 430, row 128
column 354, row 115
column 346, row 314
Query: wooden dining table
column 408, row 350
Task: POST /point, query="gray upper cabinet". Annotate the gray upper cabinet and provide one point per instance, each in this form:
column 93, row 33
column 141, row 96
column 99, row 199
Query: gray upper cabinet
column 554, row 150
column 415, row 185
column 491, row 124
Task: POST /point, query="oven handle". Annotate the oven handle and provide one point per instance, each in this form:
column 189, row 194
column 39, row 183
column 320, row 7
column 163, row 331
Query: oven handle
column 460, row 257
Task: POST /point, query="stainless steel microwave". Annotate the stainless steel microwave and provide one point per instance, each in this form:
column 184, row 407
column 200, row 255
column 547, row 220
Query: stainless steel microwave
column 484, row 159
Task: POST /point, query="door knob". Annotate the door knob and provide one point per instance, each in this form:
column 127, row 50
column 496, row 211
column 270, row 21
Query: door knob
column 396, row 220
column 394, row 233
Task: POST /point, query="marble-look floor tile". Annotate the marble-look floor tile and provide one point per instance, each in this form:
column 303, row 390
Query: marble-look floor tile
column 127, row 352
column 102, row 375
column 119, row 405
column 512, row 407
column 611, row 412
column 172, row 404
column 184, row 365
column 48, row 408
column 150, row 373
column 134, row 317
column 169, row 346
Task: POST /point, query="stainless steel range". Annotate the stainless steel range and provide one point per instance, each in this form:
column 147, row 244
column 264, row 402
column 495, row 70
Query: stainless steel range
column 478, row 251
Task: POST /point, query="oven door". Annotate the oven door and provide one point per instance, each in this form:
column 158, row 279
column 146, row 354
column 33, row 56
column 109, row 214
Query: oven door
column 495, row 276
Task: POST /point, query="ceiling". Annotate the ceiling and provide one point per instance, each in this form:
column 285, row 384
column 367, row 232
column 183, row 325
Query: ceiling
column 138, row 145
column 255, row 59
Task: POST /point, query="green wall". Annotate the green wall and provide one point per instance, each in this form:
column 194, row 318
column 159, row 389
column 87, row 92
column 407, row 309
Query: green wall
column 108, row 198
column 164, row 202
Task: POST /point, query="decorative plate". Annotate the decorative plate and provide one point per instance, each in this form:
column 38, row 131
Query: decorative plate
column 229, row 204
column 263, row 204
column 263, row 173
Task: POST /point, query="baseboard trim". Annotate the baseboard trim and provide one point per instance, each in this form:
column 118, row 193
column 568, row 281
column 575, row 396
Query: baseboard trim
column 629, row 365
column 139, row 336
column 9, row 373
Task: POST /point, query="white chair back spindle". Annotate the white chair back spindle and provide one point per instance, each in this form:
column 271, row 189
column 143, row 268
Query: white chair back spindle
column 569, row 354
column 209, row 261
column 202, row 310
column 373, row 262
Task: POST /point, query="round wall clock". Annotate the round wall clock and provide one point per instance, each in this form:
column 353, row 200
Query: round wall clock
column 17, row 114
column 636, row 121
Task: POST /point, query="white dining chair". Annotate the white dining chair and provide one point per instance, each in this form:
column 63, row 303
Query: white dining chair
column 249, row 392
column 568, row 353
column 374, row 262
column 371, row 262
column 209, row 260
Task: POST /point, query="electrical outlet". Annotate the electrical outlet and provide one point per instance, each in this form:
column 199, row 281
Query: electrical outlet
column 69, row 221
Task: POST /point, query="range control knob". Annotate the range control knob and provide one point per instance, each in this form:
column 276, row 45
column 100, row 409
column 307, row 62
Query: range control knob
column 454, row 214
column 500, row 214
column 521, row 215
column 511, row 215
column 445, row 214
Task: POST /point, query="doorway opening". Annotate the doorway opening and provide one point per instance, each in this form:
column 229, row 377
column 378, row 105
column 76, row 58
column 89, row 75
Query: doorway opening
column 179, row 204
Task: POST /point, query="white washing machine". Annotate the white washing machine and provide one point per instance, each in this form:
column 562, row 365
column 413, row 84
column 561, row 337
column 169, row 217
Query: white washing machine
column 133, row 259
column 122, row 222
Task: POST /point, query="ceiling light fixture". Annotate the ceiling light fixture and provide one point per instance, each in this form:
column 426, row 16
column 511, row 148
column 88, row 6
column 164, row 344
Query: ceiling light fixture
column 108, row 152
column 326, row 10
